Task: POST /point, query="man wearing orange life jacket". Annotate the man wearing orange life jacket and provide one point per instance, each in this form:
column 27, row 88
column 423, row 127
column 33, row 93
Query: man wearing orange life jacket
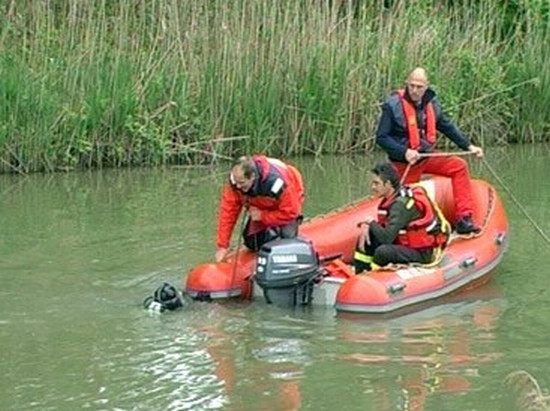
column 408, row 125
column 409, row 227
column 273, row 193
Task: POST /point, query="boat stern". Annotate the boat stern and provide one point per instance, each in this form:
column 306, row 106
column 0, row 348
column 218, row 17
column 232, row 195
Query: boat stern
column 213, row 281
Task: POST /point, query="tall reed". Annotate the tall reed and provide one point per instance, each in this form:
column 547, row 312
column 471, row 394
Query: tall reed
column 111, row 84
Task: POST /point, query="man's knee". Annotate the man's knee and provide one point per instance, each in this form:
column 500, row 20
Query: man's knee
column 255, row 241
column 383, row 254
column 290, row 230
column 457, row 164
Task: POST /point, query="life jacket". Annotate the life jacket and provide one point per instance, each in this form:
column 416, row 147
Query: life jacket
column 430, row 230
column 273, row 178
column 409, row 111
column 278, row 192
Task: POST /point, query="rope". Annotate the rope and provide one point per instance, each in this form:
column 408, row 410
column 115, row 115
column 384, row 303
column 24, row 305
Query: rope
column 499, row 180
column 516, row 202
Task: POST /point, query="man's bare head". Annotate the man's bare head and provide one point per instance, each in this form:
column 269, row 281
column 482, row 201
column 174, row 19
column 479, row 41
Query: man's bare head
column 417, row 84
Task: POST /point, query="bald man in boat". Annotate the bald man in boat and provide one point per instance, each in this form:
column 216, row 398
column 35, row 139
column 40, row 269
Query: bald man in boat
column 410, row 120
column 273, row 193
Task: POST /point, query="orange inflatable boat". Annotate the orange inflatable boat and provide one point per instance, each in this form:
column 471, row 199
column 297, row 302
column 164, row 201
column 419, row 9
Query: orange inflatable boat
column 325, row 248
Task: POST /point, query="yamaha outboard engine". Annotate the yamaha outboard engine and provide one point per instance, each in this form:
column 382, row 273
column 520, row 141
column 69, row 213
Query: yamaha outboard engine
column 286, row 271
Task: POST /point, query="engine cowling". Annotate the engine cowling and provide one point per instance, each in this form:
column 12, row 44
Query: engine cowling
column 286, row 270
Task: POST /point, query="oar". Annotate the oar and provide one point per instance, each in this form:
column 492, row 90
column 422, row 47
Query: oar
column 239, row 243
column 402, row 181
column 434, row 154
column 445, row 154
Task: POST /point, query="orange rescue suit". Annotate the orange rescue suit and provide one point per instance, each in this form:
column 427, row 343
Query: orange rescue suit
column 278, row 192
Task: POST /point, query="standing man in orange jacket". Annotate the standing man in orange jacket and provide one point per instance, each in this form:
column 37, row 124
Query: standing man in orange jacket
column 408, row 125
column 272, row 191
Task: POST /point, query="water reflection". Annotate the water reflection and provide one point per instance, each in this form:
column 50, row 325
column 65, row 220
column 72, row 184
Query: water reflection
column 438, row 350
column 176, row 368
column 527, row 391
column 257, row 361
column 80, row 251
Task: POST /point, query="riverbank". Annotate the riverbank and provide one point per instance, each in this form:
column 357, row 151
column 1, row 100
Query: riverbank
column 86, row 85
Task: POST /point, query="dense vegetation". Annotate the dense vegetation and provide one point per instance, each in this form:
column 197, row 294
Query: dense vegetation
column 117, row 83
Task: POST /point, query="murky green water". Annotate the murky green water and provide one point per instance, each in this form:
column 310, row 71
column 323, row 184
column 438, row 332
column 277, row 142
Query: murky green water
column 80, row 252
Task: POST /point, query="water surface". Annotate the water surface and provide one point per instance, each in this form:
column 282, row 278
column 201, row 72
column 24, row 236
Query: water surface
column 79, row 252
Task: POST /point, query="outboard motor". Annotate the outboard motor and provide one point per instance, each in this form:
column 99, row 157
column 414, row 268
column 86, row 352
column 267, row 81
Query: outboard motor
column 286, row 271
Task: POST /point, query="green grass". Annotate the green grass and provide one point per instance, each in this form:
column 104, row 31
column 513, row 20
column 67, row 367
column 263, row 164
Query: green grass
column 116, row 84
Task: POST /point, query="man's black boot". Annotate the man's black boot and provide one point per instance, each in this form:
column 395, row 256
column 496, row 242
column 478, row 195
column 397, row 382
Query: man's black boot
column 465, row 225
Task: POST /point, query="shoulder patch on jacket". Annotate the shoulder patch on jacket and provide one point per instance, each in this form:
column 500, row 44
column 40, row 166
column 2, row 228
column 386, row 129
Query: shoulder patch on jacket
column 277, row 185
